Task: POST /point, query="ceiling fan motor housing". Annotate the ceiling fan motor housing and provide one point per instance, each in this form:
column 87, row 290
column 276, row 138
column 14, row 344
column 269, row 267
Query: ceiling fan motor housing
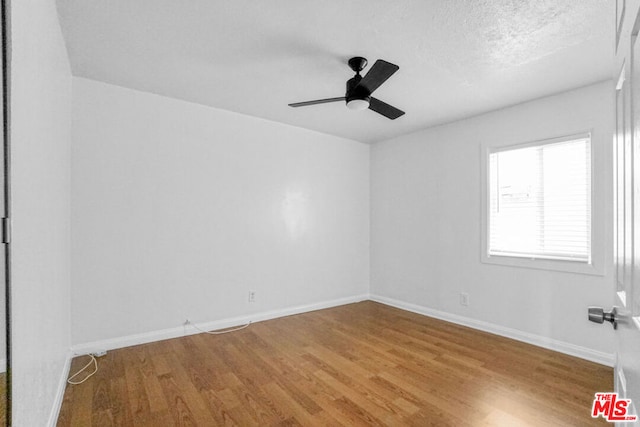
column 356, row 92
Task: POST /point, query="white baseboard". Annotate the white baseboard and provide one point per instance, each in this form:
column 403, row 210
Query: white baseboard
column 3, row 365
column 184, row 330
column 606, row 359
column 62, row 384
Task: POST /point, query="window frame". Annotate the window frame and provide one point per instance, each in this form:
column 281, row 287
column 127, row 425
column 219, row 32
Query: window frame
column 595, row 267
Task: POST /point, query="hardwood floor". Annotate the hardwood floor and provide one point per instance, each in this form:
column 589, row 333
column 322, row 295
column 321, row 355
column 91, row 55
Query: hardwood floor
column 3, row 398
column 361, row 364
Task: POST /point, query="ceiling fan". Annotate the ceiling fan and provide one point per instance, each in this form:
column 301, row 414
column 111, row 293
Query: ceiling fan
column 359, row 89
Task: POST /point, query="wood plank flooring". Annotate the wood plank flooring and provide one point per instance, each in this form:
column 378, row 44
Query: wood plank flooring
column 361, row 364
column 3, row 398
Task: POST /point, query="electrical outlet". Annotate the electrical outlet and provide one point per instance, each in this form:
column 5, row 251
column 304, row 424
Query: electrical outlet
column 464, row 298
column 252, row 296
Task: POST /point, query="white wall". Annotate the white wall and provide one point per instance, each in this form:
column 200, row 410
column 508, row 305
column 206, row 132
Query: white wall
column 40, row 139
column 3, row 312
column 425, row 225
column 179, row 210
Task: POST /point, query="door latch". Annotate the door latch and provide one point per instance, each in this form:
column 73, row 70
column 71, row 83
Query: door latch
column 598, row 315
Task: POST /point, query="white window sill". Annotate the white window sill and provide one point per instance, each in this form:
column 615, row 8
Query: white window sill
column 544, row 264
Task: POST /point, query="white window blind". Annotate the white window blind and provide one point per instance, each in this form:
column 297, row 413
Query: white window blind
column 540, row 201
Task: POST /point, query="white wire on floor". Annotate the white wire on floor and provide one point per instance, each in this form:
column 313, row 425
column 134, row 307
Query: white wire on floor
column 95, row 365
column 95, row 362
column 218, row 332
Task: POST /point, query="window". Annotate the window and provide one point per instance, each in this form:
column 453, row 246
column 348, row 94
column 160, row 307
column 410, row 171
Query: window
column 538, row 201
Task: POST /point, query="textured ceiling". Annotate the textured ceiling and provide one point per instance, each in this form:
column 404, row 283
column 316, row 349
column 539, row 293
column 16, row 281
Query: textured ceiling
column 457, row 58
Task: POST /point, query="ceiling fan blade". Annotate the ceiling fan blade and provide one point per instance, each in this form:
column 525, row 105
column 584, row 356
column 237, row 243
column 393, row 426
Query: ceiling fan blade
column 317, row 101
column 385, row 109
column 377, row 75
